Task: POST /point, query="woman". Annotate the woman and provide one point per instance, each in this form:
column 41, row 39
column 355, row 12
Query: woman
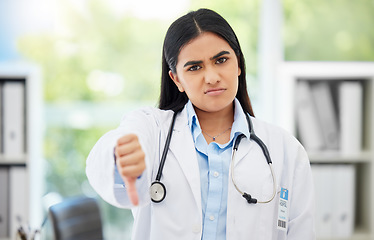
column 203, row 83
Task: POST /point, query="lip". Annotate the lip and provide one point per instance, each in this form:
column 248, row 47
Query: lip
column 215, row 91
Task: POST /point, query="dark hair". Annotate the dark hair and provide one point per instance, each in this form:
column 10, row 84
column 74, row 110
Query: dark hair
column 180, row 33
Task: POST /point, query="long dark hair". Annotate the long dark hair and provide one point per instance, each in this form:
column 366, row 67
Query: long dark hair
column 180, row 33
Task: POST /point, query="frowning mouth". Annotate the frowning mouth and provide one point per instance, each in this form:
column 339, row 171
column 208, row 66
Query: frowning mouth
column 215, row 91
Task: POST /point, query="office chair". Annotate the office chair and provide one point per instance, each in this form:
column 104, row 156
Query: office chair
column 76, row 218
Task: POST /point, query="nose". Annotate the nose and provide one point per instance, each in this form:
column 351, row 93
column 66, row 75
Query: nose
column 211, row 76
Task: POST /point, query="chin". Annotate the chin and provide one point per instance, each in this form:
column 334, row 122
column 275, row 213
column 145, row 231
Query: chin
column 217, row 107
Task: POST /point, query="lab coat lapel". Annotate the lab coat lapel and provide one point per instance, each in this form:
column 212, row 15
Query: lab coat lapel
column 183, row 148
column 244, row 148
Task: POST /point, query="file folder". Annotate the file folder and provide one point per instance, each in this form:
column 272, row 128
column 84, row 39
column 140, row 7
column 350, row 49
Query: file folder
column 14, row 118
column 4, row 202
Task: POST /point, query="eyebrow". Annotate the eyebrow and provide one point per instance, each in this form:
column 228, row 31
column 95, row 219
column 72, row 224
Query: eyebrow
column 214, row 57
column 192, row 63
column 219, row 54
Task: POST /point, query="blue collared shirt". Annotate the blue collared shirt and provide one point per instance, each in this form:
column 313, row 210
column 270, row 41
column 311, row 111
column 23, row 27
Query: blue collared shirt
column 214, row 163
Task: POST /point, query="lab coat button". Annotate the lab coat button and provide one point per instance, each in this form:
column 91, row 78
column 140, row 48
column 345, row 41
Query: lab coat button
column 211, row 218
column 196, row 228
column 216, row 174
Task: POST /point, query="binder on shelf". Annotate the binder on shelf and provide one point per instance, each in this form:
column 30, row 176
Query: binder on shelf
column 13, row 118
column 307, row 122
column 323, row 184
column 4, row 202
column 343, row 217
column 1, row 119
column 326, row 114
column 351, row 116
column 18, row 182
column 335, row 200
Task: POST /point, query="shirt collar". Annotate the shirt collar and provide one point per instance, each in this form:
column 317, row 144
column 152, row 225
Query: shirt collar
column 240, row 125
column 193, row 122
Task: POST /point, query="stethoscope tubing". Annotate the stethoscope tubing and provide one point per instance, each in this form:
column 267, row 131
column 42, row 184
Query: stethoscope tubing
column 265, row 151
column 244, row 194
column 158, row 190
column 166, row 148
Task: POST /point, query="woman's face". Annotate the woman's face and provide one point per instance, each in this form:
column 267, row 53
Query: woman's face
column 208, row 70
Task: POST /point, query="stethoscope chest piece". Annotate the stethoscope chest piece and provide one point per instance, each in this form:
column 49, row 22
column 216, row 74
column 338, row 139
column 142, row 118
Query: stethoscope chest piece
column 157, row 191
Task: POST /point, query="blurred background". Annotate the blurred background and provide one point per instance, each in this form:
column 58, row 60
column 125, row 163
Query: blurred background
column 102, row 58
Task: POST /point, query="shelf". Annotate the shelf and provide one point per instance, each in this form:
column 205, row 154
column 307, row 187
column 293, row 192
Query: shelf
column 20, row 162
column 13, row 161
column 356, row 236
column 339, row 157
column 317, row 76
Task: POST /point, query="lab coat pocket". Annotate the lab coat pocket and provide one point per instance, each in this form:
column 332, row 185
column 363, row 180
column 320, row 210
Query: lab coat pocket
column 267, row 229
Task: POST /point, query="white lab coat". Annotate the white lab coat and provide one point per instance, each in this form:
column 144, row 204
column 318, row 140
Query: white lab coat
column 179, row 216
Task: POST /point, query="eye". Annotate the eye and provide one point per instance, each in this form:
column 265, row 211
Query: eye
column 194, row 68
column 221, row 60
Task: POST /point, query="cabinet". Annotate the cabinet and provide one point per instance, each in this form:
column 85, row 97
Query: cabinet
column 359, row 120
column 20, row 147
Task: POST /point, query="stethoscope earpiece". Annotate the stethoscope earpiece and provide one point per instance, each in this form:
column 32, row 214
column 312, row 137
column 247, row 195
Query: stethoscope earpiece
column 265, row 151
column 158, row 190
column 249, row 198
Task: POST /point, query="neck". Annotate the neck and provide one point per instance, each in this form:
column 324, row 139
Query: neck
column 214, row 123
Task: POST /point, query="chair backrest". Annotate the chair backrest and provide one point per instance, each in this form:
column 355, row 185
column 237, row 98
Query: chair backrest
column 76, row 218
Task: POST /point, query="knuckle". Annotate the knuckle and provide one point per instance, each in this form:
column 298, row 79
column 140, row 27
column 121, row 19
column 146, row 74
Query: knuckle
column 122, row 163
column 117, row 151
column 123, row 172
column 132, row 137
column 142, row 155
column 119, row 141
column 142, row 166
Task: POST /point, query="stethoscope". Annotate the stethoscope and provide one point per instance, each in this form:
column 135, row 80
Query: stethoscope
column 158, row 189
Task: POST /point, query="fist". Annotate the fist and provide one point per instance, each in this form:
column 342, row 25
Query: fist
column 130, row 160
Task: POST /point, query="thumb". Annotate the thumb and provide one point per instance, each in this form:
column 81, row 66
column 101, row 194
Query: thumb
column 131, row 190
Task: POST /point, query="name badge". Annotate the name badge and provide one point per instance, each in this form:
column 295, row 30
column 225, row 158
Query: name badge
column 283, row 210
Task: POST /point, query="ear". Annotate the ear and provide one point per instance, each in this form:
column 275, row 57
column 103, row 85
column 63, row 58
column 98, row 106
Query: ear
column 175, row 79
column 239, row 69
